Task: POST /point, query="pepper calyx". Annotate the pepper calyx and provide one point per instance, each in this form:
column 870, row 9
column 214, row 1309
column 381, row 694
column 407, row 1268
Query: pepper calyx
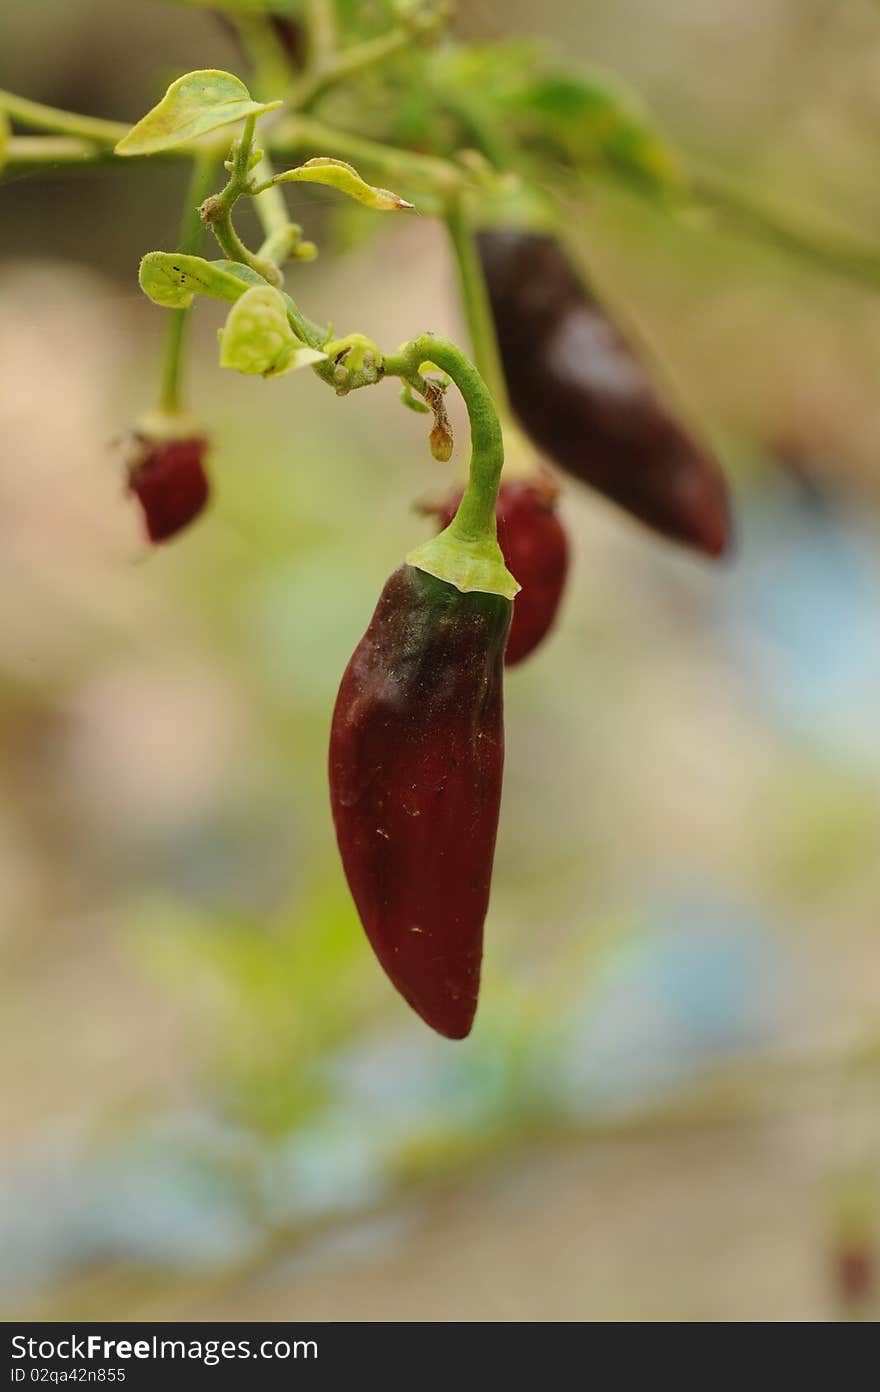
column 468, row 564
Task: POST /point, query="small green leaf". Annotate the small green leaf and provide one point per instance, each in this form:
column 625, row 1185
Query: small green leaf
column 171, row 279
column 337, row 174
column 193, row 105
column 257, row 338
column 4, row 139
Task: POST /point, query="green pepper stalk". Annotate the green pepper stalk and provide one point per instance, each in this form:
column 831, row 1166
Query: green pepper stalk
column 466, row 553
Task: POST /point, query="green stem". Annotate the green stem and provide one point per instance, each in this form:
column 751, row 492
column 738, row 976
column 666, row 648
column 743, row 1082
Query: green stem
column 475, row 301
column 191, row 230
column 467, row 553
column 822, row 246
column 351, row 61
column 235, row 250
column 36, row 116
column 265, row 52
column 218, row 210
column 27, row 154
column 272, row 72
column 293, row 136
column 241, row 158
column 476, row 515
column 322, row 31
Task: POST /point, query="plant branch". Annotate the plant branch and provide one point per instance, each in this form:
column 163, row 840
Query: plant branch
column 26, row 154
column 360, row 57
column 290, row 136
column 823, row 246
column 36, row 116
column 217, row 210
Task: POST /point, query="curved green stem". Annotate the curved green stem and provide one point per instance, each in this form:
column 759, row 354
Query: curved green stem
column 236, row 250
column 191, row 230
column 467, row 553
column 217, row 210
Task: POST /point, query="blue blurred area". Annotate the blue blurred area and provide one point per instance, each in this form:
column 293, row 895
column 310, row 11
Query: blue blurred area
column 801, row 610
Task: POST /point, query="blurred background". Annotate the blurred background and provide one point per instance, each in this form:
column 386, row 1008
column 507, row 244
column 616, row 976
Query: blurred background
column 213, row 1103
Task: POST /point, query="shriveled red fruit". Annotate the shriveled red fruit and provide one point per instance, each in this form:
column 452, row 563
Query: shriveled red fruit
column 168, row 478
column 416, row 761
column 535, row 547
column 586, row 400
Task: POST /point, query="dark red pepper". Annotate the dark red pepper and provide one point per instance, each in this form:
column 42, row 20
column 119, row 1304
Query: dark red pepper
column 168, row 478
column 416, row 759
column 535, row 547
column 585, row 399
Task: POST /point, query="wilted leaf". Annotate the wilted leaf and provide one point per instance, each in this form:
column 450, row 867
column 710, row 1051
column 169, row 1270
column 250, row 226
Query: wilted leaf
column 193, row 105
column 258, row 340
column 337, row 174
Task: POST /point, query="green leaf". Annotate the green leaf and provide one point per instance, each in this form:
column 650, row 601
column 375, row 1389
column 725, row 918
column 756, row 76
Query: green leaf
column 337, row 174
column 171, row 279
column 247, row 274
column 257, row 338
column 5, row 133
column 595, row 120
column 193, row 105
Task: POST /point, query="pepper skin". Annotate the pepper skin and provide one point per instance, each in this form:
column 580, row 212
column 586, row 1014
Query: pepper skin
column 535, row 548
column 416, row 760
column 585, row 399
column 168, row 478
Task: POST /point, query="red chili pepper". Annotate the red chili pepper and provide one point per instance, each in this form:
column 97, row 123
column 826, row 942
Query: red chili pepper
column 535, row 547
column 416, row 758
column 168, row 478
column 585, row 399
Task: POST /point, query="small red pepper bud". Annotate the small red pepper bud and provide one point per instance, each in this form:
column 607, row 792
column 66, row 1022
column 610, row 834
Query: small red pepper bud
column 416, row 759
column 169, row 480
column 535, row 548
column 585, row 399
